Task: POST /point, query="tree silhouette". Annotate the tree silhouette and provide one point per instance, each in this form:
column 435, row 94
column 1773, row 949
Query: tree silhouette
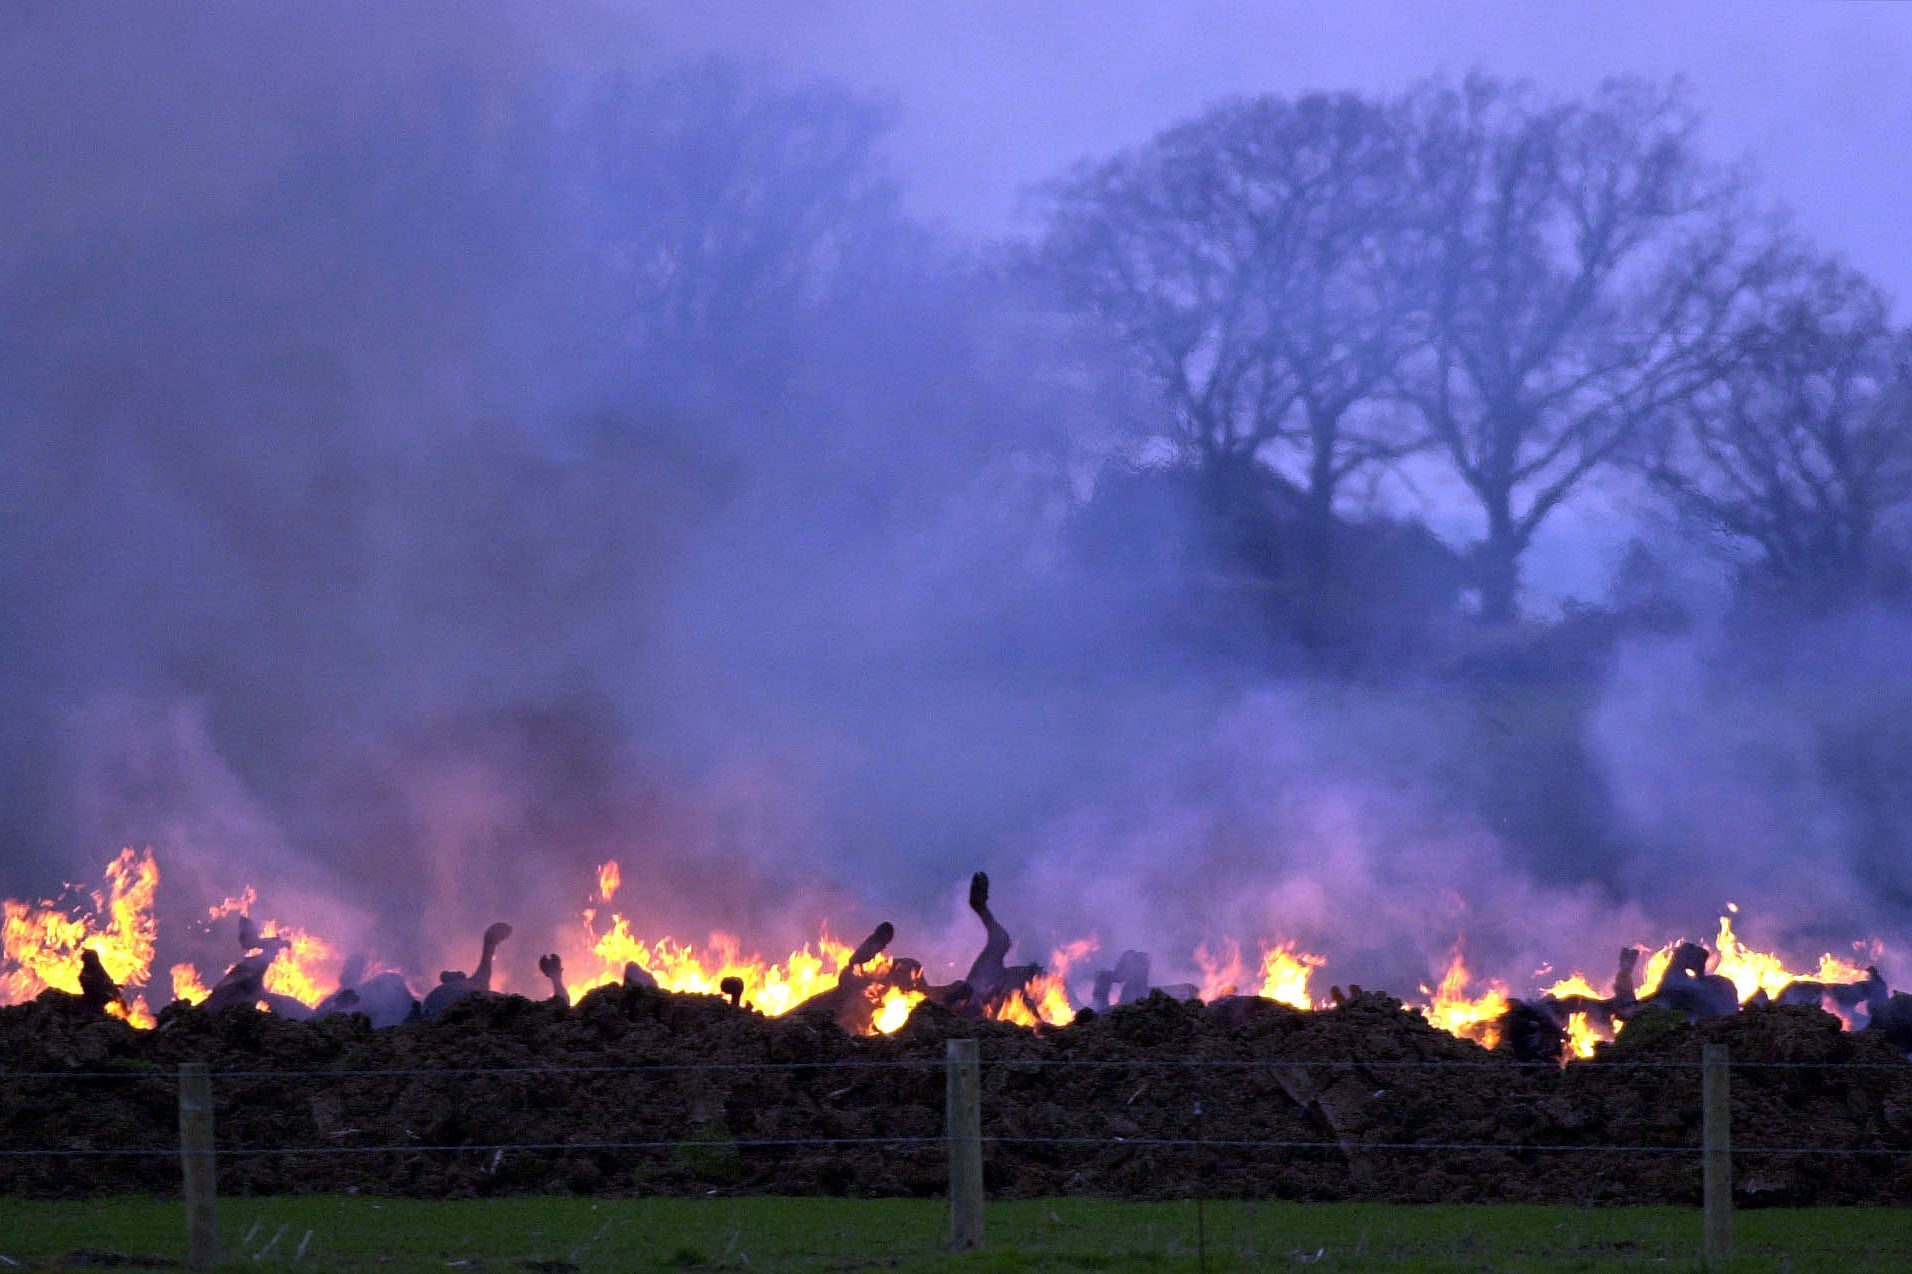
column 1578, row 262
column 1802, row 442
column 1248, row 259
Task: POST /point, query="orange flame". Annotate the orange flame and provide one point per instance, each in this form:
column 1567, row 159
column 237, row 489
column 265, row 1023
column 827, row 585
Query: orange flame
column 294, row 971
column 1450, row 1008
column 1014, row 1010
column 40, row 946
column 1050, row 990
column 1221, row 969
column 1572, row 984
column 1285, row 973
column 1044, row 999
column 1065, row 957
column 1050, row 995
column 893, row 1009
column 1754, row 971
column 187, row 984
column 1581, row 1037
column 771, row 987
column 136, row 1014
column 240, row 905
column 1655, row 972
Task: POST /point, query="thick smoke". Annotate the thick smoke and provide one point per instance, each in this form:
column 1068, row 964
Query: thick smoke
column 1764, row 761
column 1330, row 816
column 502, row 472
column 488, row 456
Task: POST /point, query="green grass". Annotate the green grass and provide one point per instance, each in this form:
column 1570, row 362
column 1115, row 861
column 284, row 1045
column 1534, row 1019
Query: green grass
column 837, row 1235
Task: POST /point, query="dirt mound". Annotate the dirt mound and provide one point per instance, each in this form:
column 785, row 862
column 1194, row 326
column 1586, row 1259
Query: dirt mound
column 652, row 1092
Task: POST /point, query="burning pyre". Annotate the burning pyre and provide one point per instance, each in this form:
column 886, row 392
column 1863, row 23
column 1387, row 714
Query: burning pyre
column 94, row 942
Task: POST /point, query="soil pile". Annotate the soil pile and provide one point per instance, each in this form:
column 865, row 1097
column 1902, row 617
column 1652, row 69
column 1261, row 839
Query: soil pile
column 644, row 1091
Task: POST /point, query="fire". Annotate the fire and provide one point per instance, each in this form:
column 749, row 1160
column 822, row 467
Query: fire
column 1754, row 971
column 894, row 1009
column 1065, row 957
column 1657, row 964
column 134, row 1014
column 1221, row 970
column 1581, row 1036
column 40, row 946
column 293, row 971
column 187, row 984
column 1453, row 1011
column 239, row 905
column 1573, row 984
column 891, row 1005
column 1015, row 1010
column 771, row 987
column 1045, row 1000
column 1051, row 998
column 1285, row 973
column 1051, row 990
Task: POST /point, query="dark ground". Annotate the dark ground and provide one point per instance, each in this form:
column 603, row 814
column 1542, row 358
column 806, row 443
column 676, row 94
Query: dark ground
column 1119, row 1082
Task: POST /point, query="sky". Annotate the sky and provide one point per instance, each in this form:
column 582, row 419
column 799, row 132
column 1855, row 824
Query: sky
column 990, row 96
column 995, row 95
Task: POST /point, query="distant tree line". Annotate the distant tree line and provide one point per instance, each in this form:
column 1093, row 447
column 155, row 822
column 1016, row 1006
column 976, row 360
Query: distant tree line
column 1513, row 295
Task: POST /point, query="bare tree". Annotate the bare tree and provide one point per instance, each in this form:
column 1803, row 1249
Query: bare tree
column 1802, row 442
column 732, row 205
column 1246, row 258
column 1579, row 261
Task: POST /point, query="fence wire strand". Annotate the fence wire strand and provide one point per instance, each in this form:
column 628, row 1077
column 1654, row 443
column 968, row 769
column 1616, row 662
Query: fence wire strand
column 760, row 1143
column 999, row 1064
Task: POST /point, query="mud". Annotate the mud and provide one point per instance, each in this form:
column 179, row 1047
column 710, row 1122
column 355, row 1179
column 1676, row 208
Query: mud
column 1292, row 1105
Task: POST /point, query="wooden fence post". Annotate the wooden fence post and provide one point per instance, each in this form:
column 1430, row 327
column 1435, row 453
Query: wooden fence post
column 1716, row 1113
column 965, row 1146
column 196, row 1160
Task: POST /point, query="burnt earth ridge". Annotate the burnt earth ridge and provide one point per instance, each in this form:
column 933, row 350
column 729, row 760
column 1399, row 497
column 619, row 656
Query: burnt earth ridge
column 638, row 1091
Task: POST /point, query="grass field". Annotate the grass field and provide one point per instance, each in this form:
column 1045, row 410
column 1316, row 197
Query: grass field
column 561, row 1235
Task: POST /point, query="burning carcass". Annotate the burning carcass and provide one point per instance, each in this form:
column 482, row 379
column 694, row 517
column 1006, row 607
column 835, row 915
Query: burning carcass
column 245, row 981
column 997, row 989
column 867, row 988
column 385, row 999
column 455, row 985
column 853, row 1002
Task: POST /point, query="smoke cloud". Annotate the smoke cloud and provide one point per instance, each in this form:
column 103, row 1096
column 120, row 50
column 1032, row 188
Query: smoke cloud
column 437, row 456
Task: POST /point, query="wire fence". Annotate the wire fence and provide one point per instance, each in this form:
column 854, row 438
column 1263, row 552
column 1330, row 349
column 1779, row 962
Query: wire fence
column 1145, row 1126
column 926, row 1067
